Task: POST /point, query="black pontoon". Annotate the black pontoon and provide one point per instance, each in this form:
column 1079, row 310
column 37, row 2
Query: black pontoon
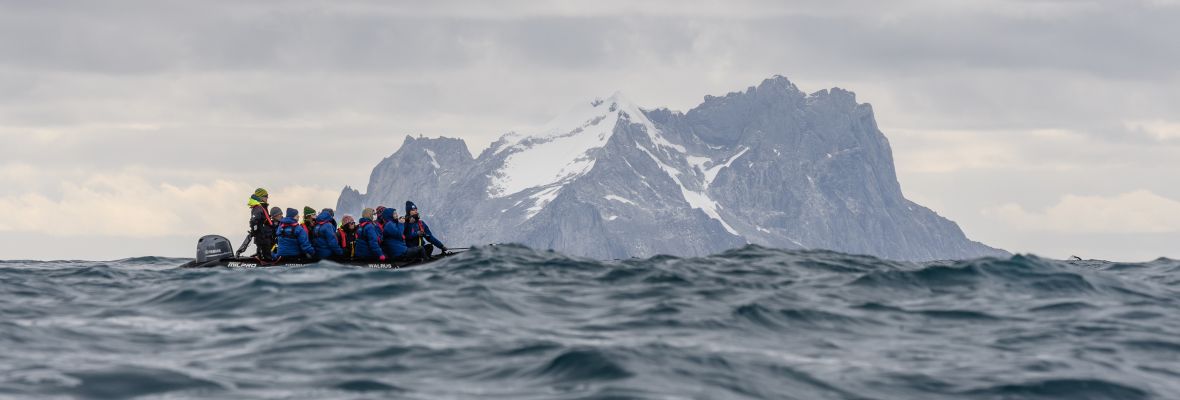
column 215, row 251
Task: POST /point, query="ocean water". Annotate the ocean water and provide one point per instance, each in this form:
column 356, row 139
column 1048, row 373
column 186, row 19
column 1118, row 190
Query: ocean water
column 510, row 322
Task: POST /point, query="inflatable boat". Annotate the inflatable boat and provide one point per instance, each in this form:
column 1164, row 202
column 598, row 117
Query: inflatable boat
column 215, row 251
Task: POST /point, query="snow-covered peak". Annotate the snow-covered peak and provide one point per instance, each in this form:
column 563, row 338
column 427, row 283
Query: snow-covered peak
column 560, row 150
column 585, row 113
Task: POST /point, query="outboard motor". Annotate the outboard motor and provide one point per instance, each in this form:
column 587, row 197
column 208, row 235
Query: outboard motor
column 213, row 248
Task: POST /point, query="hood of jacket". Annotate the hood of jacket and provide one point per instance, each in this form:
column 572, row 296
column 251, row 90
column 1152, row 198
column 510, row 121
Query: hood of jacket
column 387, row 214
column 324, row 216
column 255, row 201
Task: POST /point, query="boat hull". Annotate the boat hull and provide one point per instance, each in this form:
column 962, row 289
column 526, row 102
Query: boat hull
column 256, row 263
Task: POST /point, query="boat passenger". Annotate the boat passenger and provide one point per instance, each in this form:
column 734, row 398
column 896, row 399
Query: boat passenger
column 276, row 215
column 368, row 243
column 308, row 219
column 324, row 237
column 262, row 227
column 332, row 215
column 393, row 241
column 417, row 233
column 378, row 215
column 293, row 240
column 347, row 234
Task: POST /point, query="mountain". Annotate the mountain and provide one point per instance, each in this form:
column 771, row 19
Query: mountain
column 772, row 166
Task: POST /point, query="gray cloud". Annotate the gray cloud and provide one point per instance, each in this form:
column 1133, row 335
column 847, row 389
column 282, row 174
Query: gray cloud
column 1108, row 39
column 193, row 90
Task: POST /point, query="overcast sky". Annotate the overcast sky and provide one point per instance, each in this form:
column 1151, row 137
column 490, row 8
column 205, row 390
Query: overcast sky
column 132, row 128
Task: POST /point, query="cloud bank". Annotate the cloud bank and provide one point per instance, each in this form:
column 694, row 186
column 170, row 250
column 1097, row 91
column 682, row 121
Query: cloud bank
column 129, row 206
column 989, row 105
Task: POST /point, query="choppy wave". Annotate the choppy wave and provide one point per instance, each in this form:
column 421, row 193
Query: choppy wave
column 515, row 323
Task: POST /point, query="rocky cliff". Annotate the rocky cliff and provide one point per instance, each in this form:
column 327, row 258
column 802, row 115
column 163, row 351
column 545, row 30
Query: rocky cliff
column 771, row 165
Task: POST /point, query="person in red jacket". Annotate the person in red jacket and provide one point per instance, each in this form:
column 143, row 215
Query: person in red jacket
column 347, row 235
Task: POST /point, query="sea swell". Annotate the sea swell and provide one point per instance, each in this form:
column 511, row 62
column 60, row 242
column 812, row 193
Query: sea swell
column 516, row 323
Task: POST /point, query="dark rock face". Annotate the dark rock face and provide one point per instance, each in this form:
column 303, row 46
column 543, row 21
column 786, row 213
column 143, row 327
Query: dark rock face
column 423, row 170
column 771, row 166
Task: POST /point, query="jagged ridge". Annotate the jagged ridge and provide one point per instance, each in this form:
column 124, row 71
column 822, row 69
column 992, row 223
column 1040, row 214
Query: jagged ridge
column 771, row 166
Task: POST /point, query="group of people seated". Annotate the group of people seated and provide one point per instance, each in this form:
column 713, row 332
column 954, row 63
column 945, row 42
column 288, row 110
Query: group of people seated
column 380, row 235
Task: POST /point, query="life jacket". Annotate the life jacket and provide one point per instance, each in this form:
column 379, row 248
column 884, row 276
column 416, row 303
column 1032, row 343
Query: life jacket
column 347, row 241
column 421, row 231
column 361, row 228
column 266, row 214
column 288, row 233
column 320, row 223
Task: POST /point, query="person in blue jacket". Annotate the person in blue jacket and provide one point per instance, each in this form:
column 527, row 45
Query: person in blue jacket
column 393, row 241
column 332, row 214
column 418, row 234
column 293, row 240
column 368, row 242
column 324, row 237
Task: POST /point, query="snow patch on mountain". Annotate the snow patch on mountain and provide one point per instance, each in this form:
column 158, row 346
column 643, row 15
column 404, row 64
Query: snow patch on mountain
column 542, row 199
column 710, row 172
column 618, row 199
column 634, row 114
column 696, row 199
column 433, row 158
column 561, row 151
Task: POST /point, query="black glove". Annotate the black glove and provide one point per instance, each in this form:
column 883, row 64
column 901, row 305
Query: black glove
column 443, row 248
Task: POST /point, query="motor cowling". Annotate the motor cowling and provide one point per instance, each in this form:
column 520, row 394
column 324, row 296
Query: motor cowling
column 213, row 248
